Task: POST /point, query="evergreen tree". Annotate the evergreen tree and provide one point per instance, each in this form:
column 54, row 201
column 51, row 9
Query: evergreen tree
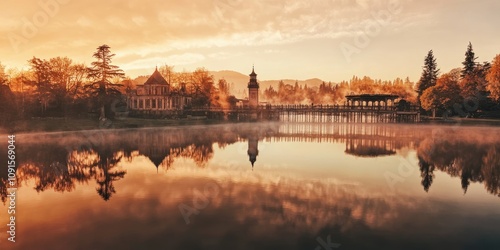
column 429, row 74
column 469, row 63
column 102, row 72
column 473, row 84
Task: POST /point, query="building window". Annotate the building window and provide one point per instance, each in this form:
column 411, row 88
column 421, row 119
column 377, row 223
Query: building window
column 160, row 104
column 148, row 103
column 141, row 104
column 135, row 103
column 154, row 103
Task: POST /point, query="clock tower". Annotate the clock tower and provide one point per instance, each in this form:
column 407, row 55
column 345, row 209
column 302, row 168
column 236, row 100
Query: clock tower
column 253, row 91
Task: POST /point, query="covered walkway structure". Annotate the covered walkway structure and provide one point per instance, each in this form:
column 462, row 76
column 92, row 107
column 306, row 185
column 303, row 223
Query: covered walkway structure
column 371, row 101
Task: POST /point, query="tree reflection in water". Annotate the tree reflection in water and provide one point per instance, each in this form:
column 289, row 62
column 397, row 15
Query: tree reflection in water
column 469, row 160
column 491, row 170
column 427, row 173
column 61, row 161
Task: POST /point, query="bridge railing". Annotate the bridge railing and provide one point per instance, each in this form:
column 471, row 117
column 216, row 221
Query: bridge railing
column 333, row 107
column 305, row 107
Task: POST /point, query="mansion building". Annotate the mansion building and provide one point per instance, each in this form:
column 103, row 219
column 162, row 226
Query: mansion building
column 156, row 97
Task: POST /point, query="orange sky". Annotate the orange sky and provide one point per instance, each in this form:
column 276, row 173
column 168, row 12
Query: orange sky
column 297, row 39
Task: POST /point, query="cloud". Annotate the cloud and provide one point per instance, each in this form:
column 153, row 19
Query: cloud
column 138, row 24
column 175, row 59
column 152, row 28
column 139, row 20
column 84, row 22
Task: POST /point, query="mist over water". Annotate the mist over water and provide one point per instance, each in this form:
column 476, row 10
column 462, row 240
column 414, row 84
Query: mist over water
column 259, row 186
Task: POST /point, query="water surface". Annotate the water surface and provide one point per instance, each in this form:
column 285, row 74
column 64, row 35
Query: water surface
column 258, row 186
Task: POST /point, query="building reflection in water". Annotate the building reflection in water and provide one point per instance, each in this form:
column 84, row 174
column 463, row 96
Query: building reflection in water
column 363, row 140
column 253, row 148
column 60, row 161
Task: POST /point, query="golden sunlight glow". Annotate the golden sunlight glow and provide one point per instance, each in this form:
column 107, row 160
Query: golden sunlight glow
column 331, row 40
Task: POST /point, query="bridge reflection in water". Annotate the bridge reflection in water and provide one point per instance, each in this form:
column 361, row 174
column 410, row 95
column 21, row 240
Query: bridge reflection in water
column 360, row 139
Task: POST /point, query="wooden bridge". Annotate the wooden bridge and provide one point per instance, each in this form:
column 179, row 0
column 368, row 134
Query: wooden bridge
column 364, row 108
column 314, row 113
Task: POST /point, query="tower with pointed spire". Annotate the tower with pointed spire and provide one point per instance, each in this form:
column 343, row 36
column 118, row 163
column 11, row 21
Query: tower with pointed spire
column 253, row 90
column 253, row 148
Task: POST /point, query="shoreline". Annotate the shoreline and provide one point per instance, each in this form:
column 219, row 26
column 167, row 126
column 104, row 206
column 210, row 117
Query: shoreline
column 51, row 124
column 461, row 121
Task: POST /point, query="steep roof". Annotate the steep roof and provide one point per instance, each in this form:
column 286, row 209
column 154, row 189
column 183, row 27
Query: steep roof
column 156, row 78
column 253, row 72
column 253, row 80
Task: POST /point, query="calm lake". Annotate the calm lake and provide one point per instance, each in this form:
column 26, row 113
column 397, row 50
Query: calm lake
column 257, row 186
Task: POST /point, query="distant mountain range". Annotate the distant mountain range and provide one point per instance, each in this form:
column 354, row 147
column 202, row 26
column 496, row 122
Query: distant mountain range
column 240, row 80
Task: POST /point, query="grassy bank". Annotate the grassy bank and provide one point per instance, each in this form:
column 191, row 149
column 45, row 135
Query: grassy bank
column 461, row 121
column 76, row 124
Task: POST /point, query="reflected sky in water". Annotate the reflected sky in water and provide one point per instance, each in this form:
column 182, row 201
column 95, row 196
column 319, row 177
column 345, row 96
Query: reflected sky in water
column 362, row 186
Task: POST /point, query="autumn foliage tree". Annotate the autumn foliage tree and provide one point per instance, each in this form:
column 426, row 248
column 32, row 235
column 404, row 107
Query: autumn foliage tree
column 223, row 97
column 3, row 75
column 493, row 78
column 334, row 93
column 202, row 87
column 48, row 87
column 41, row 81
column 444, row 94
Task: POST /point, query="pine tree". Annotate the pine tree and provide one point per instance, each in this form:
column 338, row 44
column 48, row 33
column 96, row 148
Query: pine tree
column 429, row 74
column 473, row 82
column 102, row 72
column 469, row 63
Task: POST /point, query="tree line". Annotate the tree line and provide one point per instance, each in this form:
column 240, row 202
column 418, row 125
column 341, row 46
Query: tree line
column 200, row 85
column 469, row 91
column 334, row 93
column 60, row 87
